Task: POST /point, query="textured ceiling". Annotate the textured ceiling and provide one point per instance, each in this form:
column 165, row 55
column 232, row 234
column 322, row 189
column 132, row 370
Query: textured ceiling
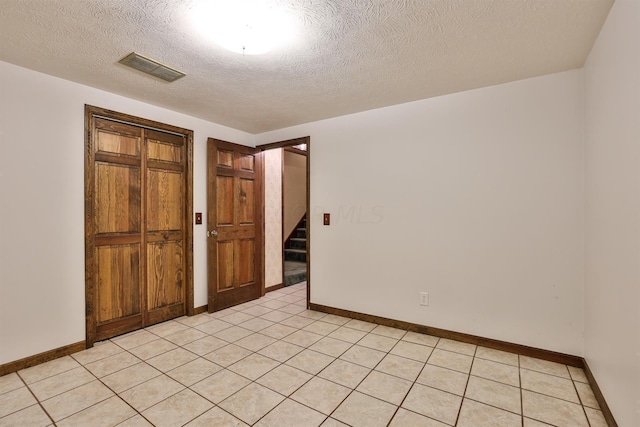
column 348, row 56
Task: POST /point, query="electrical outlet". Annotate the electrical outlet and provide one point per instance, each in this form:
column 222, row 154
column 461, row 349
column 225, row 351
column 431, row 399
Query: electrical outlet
column 424, row 298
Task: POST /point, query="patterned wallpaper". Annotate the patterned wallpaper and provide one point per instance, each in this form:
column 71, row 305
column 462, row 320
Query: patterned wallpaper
column 273, row 216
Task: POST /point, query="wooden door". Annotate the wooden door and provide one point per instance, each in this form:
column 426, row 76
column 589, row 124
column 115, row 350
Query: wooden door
column 138, row 227
column 234, row 221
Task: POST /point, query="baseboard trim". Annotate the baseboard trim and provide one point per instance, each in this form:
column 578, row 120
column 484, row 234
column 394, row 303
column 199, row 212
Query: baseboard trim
column 606, row 411
column 46, row 356
column 200, row 310
column 524, row 350
column 274, row 288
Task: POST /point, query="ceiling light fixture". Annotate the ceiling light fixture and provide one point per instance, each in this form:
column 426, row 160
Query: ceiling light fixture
column 249, row 27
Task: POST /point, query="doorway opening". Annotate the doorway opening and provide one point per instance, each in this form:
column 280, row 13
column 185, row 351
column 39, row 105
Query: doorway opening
column 287, row 208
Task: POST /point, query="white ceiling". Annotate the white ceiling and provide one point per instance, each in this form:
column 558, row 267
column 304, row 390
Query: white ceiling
column 349, row 55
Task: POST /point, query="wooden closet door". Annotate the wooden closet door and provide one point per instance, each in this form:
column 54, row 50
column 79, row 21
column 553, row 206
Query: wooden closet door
column 139, row 228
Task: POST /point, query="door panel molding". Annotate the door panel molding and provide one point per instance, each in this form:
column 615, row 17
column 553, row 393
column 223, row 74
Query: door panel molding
column 120, row 147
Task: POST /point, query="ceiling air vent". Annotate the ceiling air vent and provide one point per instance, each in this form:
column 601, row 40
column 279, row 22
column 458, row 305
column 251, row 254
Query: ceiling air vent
column 151, row 67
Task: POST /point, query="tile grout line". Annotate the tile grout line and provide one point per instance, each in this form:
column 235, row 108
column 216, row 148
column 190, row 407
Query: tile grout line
column 35, row 397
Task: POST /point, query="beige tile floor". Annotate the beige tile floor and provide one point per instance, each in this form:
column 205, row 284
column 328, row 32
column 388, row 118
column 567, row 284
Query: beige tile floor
column 271, row 362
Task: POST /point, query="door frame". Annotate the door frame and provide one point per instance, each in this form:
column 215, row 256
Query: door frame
column 92, row 112
column 283, row 144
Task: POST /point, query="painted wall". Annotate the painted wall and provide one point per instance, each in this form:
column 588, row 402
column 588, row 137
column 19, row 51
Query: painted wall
column 475, row 197
column 273, row 217
column 42, row 205
column 612, row 296
column 295, row 190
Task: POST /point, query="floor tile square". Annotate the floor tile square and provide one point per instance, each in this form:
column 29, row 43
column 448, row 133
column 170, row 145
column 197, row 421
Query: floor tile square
column 448, row 359
column 552, row 411
column 15, row 400
column 310, row 361
column 149, row 393
column 360, row 410
column 111, row 411
column 297, row 322
column 497, row 356
column 257, row 310
column 422, row 339
column 150, row 349
column 291, row 413
column 345, row 373
column 474, row 414
column 256, row 324
column 320, row 327
column 274, row 304
column 278, row 331
column 443, row 379
column 284, row 379
column 378, row 342
column 253, row 366
column 302, row 338
column 404, row 418
column 227, row 355
column 172, row 359
column 136, row 421
column 233, row 334
column 336, row 320
column 360, row 325
column 411, row 350
column 587, row 397
column 237, row 318
column 66, row 404
column 61, row 383
column 549, row 384
column 596, row 418
column 456, row 346
column 216, row 417
column 385, row 387
column 194, row 371
column 400, row 367
column 495, row 371
column 48, row 369
column 99, row 351
column 10, row 382
column 389, row 332
column 347, row 334
column 544, row 366
column 220, row 385
column 251, row 403
column 169, row 327
column 292, row 309
column 111, row 364
column 134, row 339
column 363, row 356
column 433, row 403
column 213, row 326
column 281, row 351
column 495, row 394
column 330, row 346
column 130, row 377
column 178, row 409
column 276, row 316
column 185, row 337
column 577, row 374
column 321, row 395
column 330, row 422
column 32, row 416
column 205, row 345
column 193, row 321
column 255, row 342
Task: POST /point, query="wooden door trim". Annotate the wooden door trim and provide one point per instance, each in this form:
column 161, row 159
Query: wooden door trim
column 284, row 144
column 92, row 113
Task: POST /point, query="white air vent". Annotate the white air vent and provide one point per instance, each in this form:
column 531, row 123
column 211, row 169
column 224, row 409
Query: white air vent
column 151, row 67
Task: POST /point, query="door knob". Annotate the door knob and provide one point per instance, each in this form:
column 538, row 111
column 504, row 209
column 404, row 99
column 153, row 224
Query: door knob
column 212, row 233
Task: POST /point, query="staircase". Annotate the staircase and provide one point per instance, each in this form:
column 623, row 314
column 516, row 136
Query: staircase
column 295, row 255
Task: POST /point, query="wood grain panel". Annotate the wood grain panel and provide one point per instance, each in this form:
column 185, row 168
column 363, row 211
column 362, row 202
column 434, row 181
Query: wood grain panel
column 118, row 281
column 246, row 202
column 164, row 200
column 225, row 264
column 117, row 207
column 225, row 158
column 119, row 144
column 157, row 150
column 246, row 162
column 246, row 262
column 165, row 274
column 224, row 202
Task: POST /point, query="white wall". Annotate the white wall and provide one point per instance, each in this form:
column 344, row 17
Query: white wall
column 42, row 204
column 476, row 198
column 612, row 319
column 273, row 217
